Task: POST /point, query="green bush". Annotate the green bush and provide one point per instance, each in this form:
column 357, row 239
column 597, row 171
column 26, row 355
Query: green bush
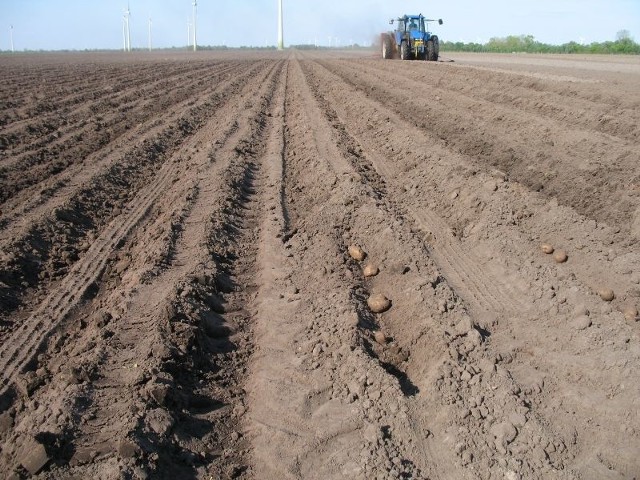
column 527, row 43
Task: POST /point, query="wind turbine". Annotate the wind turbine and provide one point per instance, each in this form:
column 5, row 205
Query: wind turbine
column 188, row 33
column 128, row 26
column 11, row 36
column 280, row 27
column 150, row 45
column 195, row 25
column 127, row 18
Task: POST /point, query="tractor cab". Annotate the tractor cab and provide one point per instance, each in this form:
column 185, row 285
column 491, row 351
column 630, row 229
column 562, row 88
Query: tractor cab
column 406, row 25
column 414, row 25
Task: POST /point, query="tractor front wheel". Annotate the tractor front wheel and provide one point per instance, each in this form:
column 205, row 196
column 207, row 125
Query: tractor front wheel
column 405, row 51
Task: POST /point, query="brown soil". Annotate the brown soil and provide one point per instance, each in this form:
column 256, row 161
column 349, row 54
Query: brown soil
column 177, row 298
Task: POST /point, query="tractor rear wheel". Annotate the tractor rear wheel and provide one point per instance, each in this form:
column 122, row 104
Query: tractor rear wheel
column 431, row 51
column 387, row 49
column 405, row 51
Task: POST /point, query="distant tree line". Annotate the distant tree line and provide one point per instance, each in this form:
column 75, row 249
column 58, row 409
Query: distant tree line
column 624, row 44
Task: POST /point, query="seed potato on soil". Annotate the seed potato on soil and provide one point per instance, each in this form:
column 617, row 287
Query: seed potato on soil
column 370, row 270
column 560, row 256
column 547, row 248
column 378, row 303
column 380, row 337
column 606, row 294
column 356, row 252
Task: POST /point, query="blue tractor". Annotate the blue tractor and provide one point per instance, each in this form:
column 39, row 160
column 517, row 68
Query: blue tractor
column 411, row 39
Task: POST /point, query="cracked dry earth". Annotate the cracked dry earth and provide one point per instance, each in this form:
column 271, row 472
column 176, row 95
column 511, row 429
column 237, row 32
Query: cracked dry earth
column 178, row 301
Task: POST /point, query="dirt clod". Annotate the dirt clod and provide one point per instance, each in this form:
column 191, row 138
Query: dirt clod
column 33, row 457
column 630, row 313
column 582, row 322
column 128, row 449
column 504, row 433
column 6, row 422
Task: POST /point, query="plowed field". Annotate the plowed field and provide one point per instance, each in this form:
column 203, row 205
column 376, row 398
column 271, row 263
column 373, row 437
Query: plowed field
column 177, row 299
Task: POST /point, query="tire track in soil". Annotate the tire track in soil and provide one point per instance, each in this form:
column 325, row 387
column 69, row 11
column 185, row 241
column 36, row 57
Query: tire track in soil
column 583, row 378
column 19, row 348
column 225, row 177
column 485, row 293
column 508, row 195
column 76, row 77
column 82, row 78
column 92, row 101
column 546, row 101
column 14, row 215
column 435, row 461
column 62, row 109
column 229, row 232
column 460, row 353
column 310, row 358
column 522, row 368
column 284, row 443
column 93, row 129
column 83, row 205
column 522, row 146
column 524, row 217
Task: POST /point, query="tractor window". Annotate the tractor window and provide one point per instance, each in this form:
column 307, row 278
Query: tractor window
column 413, row 25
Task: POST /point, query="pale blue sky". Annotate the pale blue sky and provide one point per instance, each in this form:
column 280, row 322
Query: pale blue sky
column 80, row 24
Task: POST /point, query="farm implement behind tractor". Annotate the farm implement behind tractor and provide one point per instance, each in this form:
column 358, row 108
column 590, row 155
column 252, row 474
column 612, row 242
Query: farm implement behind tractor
column 411, row 39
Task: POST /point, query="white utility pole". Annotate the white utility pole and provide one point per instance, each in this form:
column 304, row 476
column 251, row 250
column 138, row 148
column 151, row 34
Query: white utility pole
column 150, row 44
column 11, row 36
column 280, row 27
column 195, row 25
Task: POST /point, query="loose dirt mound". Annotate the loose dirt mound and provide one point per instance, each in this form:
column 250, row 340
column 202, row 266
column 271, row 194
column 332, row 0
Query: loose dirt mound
column 179, row 299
